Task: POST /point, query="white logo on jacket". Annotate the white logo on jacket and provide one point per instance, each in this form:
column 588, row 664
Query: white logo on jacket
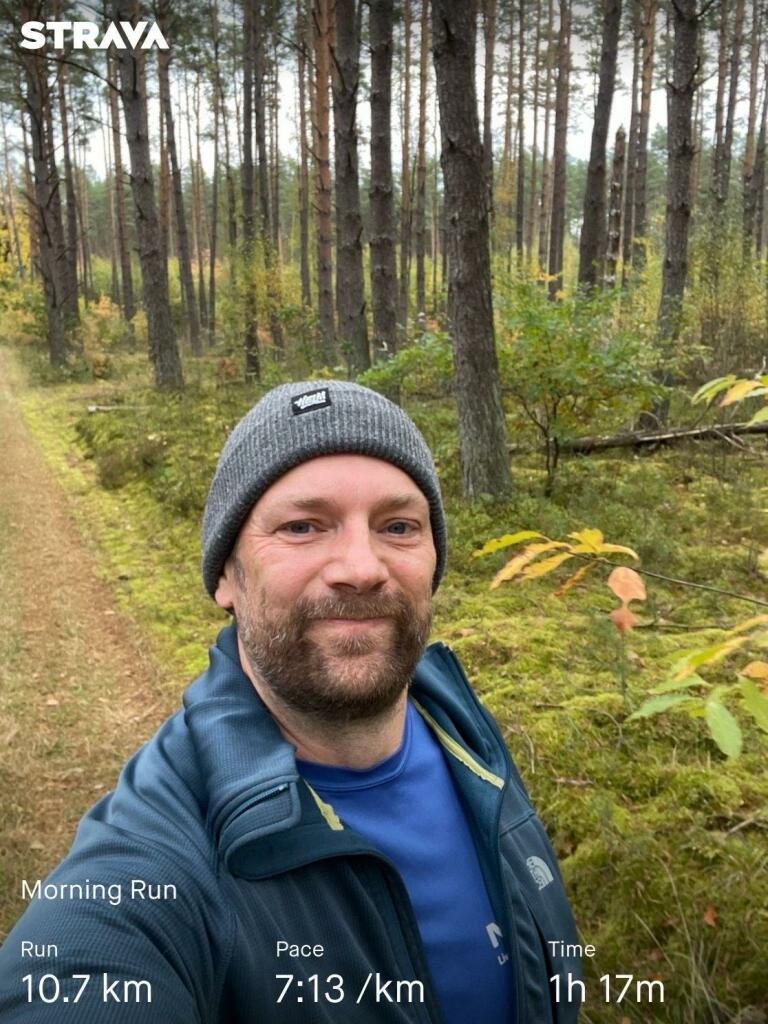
column 540, row 872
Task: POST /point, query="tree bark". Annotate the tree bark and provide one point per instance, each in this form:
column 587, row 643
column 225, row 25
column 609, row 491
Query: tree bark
column 641, row 158
column 592, row 245
column 545, row 202
column 405, row 173
column 164, row 14
column 559, row 155
column 50, row 231
column 302, row 35
column 628, row 227
column 520, row 191
column 251, row 338
column 421, row 164
column 124, row 253
column 350, row 287
column 163, row 350
column 531, row 219
column 71, row 311
column 482, row 432
column 322, row 25
column 489, row 33
column 748, row 161
column 680, row 92
column 382, row 203
column 613, row 246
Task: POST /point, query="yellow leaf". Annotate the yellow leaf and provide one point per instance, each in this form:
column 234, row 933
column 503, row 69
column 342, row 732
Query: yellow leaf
column 576, row 578
column 739, row 390
column 626, row 584
column 604, row 548
column 514, row 565
column 708, row 655
column 545, row 566
column 497, row 543
column 592, row 539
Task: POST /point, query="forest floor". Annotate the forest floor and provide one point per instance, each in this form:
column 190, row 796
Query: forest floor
column 78, row 688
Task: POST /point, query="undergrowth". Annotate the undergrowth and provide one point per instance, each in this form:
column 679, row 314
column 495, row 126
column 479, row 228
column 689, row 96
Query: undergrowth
column 662, row 841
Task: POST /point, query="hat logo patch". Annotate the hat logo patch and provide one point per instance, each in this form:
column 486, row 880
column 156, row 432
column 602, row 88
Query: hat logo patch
column 310, row 401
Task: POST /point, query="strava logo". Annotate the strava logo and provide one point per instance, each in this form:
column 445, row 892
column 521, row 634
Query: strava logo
column 87, row 35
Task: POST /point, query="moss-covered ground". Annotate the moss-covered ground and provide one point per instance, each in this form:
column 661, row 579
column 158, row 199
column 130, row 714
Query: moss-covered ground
column 663, row 841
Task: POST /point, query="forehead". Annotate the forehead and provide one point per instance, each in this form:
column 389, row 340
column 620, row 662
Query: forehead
column 345, row 481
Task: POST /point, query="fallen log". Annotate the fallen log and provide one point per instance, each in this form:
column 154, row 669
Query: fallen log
column 640, row 438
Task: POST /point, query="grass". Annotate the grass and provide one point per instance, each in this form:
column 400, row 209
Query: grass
column 663, row 842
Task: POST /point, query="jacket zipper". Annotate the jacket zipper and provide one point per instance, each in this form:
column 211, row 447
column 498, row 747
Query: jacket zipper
column 509, row 929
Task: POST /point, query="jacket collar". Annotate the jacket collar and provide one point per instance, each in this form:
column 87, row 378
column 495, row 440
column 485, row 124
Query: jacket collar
column 262, row 817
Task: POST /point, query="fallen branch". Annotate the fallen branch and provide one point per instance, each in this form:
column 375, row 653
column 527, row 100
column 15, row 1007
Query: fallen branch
column 640, row 438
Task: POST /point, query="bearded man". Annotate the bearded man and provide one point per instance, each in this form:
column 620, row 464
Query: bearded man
column 331, row 829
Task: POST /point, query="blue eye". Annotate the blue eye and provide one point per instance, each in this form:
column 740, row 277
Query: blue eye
column 299, row 527
column 400, row 528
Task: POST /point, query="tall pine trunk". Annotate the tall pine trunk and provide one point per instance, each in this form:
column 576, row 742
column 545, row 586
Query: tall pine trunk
column 421, row 165
column 382, row 203
column 482, row 432
column 405, row 172
column 251, row 337
column 163, row 350
column 350, row 287
column 559, row 155
column 322, row 25
column 302, row 35
column 592, row 245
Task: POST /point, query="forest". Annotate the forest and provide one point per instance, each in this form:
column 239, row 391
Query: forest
column 539, row 225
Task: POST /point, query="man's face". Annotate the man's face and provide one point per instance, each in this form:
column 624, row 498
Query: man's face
column 331, row 581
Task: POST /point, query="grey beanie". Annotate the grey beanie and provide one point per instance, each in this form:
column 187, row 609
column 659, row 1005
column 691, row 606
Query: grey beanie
column 296, row 422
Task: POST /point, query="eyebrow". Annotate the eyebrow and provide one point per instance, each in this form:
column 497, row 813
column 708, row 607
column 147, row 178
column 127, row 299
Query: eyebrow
column 389, row 504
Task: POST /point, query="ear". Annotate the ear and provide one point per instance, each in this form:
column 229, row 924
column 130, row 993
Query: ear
column 225, row 591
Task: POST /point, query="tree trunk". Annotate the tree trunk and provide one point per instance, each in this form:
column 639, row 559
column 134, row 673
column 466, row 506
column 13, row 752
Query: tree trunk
column 592, row 245
column 613, row 248
column 421, row 164
column 10, row 188
column 405, row 173
column 217, row 112
column 196, row 174
column 182, row 237
column 163, row 350
column 545, row 203
column 722, row 74
column 350, row 285
column 29, row 192
column 641, row 163
column 520, row 191
column 382, row 204
column 302, row 63
column 71, row 312
column 748, row 162
column 680, row 92
column 559, row 155
column 322, row 27
column 724, row 183
column 251, row 338
column 531, row 219
column 628, row 229
column 50, row 231
column 482, row 433
column 489, row 33
column 267, row 237
column 759, row 175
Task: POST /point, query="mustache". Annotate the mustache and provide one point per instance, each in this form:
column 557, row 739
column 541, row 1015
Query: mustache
column 368, row 606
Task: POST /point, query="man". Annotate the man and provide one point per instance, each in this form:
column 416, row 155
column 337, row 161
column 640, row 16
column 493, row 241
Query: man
column 331, row 829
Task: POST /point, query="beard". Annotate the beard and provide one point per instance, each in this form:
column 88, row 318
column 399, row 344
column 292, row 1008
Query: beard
column 336, row 676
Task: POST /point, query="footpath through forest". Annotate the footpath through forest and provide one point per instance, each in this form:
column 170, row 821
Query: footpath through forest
column 78, row 690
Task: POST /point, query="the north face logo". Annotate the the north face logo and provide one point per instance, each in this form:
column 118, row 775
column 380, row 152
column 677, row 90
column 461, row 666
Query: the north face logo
column 310, row 400
column 540, row 871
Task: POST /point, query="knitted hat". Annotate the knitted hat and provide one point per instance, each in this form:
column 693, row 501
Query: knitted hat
column 293, row 423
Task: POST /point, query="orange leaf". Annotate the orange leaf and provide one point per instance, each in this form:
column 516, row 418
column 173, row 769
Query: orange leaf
column 626, row 584
column 710, row 916
column 576, row 578
column 755, row 670
column 623, row 618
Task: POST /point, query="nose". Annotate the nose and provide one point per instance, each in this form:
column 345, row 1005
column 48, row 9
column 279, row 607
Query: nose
column 354, row 561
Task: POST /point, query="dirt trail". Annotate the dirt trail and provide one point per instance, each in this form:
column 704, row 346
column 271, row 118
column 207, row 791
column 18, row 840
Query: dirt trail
column 77, row 691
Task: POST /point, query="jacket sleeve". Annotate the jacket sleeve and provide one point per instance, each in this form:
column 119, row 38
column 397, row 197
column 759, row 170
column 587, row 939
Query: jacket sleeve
column 92, row 947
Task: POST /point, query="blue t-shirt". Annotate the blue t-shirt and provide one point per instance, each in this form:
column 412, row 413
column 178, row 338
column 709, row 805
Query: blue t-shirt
column 408, row 807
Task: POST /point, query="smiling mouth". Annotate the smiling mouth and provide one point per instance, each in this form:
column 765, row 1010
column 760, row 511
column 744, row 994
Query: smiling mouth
column 352, row 623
